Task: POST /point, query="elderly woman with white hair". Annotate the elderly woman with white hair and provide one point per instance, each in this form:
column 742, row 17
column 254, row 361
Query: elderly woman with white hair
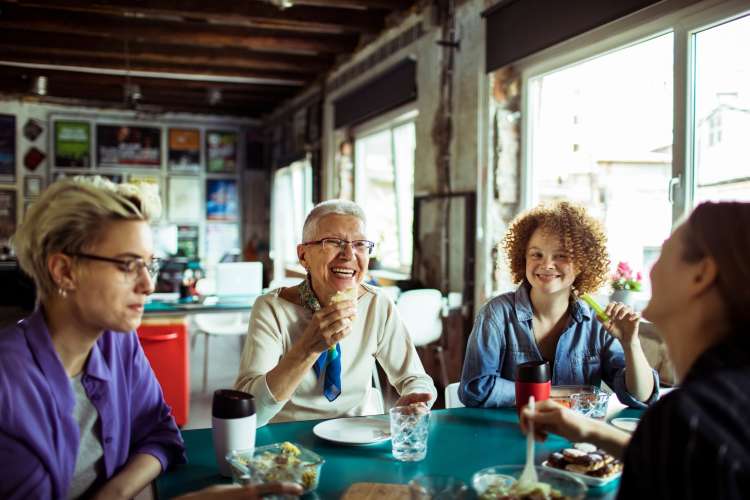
column 311, row 348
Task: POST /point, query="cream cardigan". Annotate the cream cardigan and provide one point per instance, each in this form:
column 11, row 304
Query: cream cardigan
column 378, row 333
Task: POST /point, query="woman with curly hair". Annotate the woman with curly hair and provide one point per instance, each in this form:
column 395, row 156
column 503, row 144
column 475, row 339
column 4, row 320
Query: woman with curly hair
column 555, row 253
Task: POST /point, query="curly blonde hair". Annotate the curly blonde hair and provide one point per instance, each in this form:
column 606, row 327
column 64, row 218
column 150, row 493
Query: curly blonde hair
column 581, row 236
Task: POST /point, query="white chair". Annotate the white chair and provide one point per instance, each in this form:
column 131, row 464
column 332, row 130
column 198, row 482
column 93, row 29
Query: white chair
column 218, row 324
column 451, row 396
column 421, row 311
column 284, row 282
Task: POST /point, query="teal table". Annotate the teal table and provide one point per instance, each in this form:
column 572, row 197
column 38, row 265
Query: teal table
column 462, row 441
column 159, row 308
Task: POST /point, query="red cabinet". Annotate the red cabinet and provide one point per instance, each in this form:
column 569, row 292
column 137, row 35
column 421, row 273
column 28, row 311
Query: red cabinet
column 165, row 342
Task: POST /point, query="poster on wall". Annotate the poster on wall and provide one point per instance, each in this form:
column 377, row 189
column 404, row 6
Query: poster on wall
column 7, row 218
column 221, row 200
column 72, row 144
column 125, row 145
column 184, row 149
column 185, row 198
column 187, row 241
column 221, row 151
column 7, row 148
column 221, row 239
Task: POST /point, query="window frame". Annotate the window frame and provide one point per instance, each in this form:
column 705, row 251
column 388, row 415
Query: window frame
column 385, row 122
column 670, row 16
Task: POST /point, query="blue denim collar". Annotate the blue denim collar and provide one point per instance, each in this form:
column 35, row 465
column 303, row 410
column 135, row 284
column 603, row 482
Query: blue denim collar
column 525, row 311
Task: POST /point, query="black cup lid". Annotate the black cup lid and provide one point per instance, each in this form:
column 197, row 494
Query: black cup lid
column 533, row 371
column 228, row 403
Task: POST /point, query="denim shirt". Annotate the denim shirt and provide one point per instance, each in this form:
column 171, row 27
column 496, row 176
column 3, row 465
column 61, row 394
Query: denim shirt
column 503, row 338
column 39, row 436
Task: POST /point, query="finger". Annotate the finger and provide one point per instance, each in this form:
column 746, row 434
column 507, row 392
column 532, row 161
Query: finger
column 278, row 488
column 416, row 397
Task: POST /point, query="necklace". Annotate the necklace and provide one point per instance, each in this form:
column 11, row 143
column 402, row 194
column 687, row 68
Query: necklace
column 306, row 294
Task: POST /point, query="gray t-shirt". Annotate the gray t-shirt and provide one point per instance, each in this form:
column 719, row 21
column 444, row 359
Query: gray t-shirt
column 89, row 463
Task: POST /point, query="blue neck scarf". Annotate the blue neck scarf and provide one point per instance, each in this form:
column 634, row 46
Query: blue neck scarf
column 328, row 363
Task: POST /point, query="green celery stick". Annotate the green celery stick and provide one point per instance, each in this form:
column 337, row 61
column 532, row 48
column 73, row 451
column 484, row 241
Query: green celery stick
column 596, row 307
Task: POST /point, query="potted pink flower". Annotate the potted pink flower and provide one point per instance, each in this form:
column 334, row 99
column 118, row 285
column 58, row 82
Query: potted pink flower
column 625, row 283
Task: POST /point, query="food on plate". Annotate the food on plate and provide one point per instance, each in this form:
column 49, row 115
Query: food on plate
column 585, row 458
column 501, row 490
column 284, row 466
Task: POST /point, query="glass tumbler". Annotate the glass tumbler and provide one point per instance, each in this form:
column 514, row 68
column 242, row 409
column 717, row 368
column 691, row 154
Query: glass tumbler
column 410, row 426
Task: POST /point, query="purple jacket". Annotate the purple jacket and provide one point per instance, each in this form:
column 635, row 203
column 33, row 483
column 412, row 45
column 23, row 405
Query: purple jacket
column 39, row 436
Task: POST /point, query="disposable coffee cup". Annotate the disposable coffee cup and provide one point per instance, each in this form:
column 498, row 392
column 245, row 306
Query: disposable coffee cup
column 233, row 423
column 532, row 379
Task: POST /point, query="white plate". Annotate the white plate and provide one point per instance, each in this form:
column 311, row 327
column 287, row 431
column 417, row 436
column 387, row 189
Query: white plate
column 589, row 480
column 354, row 430
column 626, row 424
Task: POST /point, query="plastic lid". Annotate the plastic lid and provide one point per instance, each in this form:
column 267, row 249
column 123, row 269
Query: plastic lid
column 228, row 403
column 533, row 371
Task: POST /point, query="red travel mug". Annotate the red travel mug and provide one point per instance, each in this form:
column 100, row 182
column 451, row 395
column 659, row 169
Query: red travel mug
column 532, row 379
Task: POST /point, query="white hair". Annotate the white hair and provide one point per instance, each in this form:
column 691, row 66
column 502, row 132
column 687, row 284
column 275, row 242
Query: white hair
column 328, row 207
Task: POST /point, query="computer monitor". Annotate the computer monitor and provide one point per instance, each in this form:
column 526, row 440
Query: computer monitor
column 238, row 279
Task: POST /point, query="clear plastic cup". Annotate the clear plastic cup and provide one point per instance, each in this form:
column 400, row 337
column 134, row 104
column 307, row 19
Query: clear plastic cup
column 592, row 405
column 410, row 426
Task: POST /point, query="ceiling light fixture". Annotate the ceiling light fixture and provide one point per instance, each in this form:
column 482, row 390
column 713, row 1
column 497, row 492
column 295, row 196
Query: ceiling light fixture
column 39, row 85
column 213, row 95
column 283, row 4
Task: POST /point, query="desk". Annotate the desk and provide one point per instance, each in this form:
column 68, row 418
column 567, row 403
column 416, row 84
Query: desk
column 462, row 441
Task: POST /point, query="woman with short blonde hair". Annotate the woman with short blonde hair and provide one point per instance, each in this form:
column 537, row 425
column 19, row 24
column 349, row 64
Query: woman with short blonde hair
column 81, row 412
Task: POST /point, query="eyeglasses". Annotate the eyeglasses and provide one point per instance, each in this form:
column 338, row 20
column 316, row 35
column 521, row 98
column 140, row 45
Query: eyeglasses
column 132, row 267
column 361, row 247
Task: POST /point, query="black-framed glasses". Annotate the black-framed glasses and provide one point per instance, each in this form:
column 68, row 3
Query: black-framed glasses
column 131, row 267
column 361, row 247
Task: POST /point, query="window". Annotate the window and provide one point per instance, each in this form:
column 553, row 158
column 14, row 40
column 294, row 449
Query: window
column 601, row 135
column 291, row 200
column 384, row 188
column 722, row 113
column 603, row 129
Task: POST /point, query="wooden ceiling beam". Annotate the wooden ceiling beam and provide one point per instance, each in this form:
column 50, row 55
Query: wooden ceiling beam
column 360, row 4
column 80, row 57
column 233, row 12
column 173, row 32
column 21, row 55
column 25, row 75
column 226, row 56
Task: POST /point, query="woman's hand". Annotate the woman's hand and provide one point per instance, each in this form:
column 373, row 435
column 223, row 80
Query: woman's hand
column 416, row 397
column 623, row 323
column 249, row 492
column 550, row 417
column 328, row 326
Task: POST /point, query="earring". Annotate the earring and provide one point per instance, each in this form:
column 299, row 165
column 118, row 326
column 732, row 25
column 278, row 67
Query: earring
column 62, row 292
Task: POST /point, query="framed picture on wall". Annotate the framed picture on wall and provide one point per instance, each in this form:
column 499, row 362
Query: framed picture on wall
column 72, row 143
column 221, row 151
column 187, row 241
column 7, row 216
column 32, row 186
column 222, row 203
column 185, row 202
column 127, row 145
column 184, row 152
column 7, row 148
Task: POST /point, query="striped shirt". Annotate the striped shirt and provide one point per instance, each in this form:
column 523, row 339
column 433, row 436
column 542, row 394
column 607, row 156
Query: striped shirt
column 695, row 442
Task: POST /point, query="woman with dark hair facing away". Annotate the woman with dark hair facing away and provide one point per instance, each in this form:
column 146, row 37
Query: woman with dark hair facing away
column 556, row 253
column 695, row 441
